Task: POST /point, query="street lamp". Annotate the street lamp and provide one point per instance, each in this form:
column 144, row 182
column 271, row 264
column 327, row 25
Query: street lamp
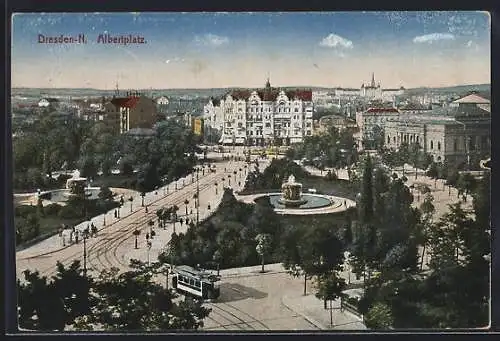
column 149, row 245
column 130, row 199
column 136, row 233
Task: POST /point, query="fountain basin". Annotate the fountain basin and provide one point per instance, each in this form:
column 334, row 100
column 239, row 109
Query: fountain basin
column 63, row 195
column 307, row 201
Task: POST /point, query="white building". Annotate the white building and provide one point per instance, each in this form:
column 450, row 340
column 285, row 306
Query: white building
column 266, row 116
column 370, row 91
column 45, row 102
column 162, row 100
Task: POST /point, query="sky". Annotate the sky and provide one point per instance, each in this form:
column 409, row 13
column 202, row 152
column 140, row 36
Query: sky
column 216, row 50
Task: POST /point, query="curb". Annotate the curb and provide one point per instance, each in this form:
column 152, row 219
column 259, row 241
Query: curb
column 307, row 318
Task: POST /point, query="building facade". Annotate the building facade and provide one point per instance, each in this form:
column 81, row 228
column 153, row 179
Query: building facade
column 134, row 111
column 372, row 121
column 267, row 116
column 459, row 134
column 370, row 91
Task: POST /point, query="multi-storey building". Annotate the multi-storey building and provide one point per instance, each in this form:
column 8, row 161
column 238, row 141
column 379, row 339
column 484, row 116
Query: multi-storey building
column 133, row 111
column 372, row 120
column 459, row 134
column 268, row 116
column 370, row 91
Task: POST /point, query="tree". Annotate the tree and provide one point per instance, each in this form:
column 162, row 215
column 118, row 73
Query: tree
column 105, row 194
column 432, row 172
column 428, row 209
column 330, row 287
column 379, row 317
column 263, row 246
column 366, row 199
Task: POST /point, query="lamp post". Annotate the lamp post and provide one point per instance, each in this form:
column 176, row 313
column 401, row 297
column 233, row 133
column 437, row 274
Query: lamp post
column 136, row 234
column 85, row 236
column 130, row 199
column 197, row 197
column 149, row 245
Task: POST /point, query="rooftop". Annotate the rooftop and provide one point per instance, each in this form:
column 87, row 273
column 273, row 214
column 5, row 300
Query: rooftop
column 472, row 99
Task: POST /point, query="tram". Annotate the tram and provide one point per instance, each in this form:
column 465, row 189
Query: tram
column 195, row 282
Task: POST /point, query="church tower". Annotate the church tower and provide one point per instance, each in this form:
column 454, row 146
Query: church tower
column 373, row 79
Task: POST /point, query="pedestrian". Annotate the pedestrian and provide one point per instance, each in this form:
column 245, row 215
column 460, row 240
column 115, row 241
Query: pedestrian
column 146, row 209
column 94, row 230
column 60, row 232
column 181, row 221
column 116, row 214
column 74, row 229
column 345, row 203
column 76, row 238
column 64, row 240
column 208, row 207
column 147, row 236
column 191, row 211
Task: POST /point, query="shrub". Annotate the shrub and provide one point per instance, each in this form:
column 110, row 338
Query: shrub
column 68, row 212
column 52, row 209
column 25, row 210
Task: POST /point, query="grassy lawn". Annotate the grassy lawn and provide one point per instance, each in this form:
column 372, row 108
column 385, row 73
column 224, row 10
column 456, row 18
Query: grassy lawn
column 116, row 180
column 340, row 188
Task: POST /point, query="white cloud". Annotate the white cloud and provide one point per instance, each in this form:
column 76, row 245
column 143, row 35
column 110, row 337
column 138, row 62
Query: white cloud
column 433, row 37
column 333, row 40
column 210, row 39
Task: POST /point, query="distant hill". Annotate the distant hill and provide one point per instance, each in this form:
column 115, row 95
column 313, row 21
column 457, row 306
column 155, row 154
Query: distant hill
column 451, row 89
column 191, row 93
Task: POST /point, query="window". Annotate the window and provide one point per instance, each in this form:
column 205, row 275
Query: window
column 439, row 145
column 455, row 145
column 432, row 145
column 197, row 284
column 394, row 139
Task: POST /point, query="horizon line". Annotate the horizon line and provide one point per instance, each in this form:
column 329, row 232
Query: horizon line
column 245, row 87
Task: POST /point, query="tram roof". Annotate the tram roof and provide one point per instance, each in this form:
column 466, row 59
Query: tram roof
column 190, row 271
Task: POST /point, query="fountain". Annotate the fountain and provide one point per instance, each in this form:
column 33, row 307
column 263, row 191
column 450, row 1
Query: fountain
column 291, row 200
column 291, row 193
column 76, row 183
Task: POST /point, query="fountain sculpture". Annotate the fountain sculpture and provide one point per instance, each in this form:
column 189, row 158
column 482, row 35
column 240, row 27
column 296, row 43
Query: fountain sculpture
column 76, row 184
column 291, row 193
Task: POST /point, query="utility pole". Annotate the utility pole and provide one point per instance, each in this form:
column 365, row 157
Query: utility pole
column 84, row 254
column 197, row 196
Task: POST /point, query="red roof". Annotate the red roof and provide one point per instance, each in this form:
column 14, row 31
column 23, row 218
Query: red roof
column 125, row 102
column 380, row 110
column 240, row 94
column 272, row 93
column 305, row 95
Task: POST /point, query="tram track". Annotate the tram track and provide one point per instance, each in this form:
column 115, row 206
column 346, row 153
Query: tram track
column 116, row 238
column 216, row 309
column 121, row 238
